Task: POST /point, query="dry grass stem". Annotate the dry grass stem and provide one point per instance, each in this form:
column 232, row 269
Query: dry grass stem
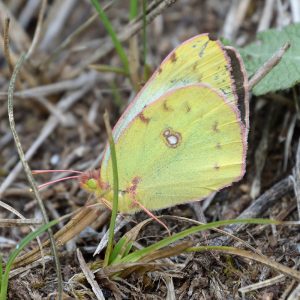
column 89, row 276
column 268, row 66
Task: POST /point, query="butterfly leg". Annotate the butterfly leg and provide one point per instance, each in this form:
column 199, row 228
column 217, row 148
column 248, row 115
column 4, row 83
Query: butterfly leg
column 150, row 214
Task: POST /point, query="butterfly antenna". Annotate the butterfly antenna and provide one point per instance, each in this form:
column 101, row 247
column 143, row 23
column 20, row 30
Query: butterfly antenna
column 151, row 215
column 57, row 180
column 34, row 172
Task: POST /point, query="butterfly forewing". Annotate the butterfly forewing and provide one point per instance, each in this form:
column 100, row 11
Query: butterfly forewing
column 198, row 60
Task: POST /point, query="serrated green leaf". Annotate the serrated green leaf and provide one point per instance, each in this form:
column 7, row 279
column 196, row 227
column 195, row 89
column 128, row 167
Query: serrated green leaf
column 287, row 73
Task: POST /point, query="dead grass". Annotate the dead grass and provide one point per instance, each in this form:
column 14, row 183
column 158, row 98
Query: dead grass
column 59, row 105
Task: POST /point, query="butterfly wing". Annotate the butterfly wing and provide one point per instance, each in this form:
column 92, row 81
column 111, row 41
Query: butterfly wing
column 199, row 59
column 182, row 147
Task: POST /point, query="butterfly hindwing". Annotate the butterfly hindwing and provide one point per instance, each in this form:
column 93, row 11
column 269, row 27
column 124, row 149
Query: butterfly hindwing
column 185, row 145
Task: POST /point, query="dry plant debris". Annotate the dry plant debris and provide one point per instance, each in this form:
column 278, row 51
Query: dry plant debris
column 59, row 103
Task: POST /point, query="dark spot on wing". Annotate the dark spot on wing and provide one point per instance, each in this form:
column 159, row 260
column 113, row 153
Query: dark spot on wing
column 166, row 107
column 225, row 92
column 215, row 127
column 195, row 64
column 202, row 49
column 187, row 107
column 136, row 180
column 143, row 118
column 131, row 190
column 216, row 167
column 173, row 57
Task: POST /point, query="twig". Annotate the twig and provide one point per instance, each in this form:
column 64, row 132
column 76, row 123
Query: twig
column 221, row 231
column 64, row 104
column 129, row 31
column 234, row 18
column 27, row 170
column 18, row 36
column 57, row 16
column 18, row 222
column 268, row 65
column 267, row 14
column 250, row 255
column 282, row 15
column 38, row 29
column 64, row 119
column 6, row 45
column 295, row 8
column 9, row 55
column 120, row 223
column 90, row 277
column 258, row 207
column 260, row 156
column 263, row 284
column 295, row 294
column 28, row 12
column 72, row 37
column 288, row 141
column 83, row 217
column 296, row 178
column 14, row 211
column 171, row 295
column 53, row 88
column 268, row 282
column 34, row 264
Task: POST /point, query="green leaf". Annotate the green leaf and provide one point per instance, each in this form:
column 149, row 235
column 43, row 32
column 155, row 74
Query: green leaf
column 287, row 73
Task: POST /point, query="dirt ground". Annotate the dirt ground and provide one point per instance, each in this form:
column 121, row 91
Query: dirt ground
column 58, row 110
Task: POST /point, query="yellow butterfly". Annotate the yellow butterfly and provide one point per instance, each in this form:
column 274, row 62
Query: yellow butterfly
column 184, row 136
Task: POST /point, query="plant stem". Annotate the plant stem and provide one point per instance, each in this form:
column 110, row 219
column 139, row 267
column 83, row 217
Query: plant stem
column 115, row 189
column 10, row 109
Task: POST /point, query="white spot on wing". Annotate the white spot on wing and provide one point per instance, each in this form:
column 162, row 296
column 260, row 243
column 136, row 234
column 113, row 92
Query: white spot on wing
column 172, row 139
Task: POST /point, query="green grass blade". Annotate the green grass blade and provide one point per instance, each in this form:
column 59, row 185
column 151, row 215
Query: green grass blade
column 20, row 246
column 104, row 19
column 1, row 270
column 106, row 69
column 117, row 250
column 114, row 212
column 128, row 248
column 139, row 254
column 116, row 94
column 134, row 5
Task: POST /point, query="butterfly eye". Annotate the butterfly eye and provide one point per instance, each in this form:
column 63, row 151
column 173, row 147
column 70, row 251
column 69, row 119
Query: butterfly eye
column 91, row 184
